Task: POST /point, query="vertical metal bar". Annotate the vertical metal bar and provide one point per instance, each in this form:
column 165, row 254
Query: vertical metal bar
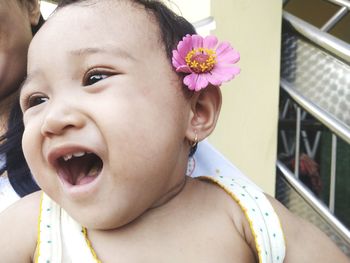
column 285, row 143
column 297, row 142
column 334, row 19
column 285, row 109
column 316, row 143
column 333, row 173
column 306, row 143
column 303, row 115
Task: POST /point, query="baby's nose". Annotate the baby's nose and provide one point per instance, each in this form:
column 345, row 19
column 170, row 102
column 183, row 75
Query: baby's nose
column 61, row 117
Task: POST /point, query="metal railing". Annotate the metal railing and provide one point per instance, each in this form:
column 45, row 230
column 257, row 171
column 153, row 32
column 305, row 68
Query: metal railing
column 321, row 38
column 344, row 3
column 338, row 127
column 310, row 198
column 340, row 49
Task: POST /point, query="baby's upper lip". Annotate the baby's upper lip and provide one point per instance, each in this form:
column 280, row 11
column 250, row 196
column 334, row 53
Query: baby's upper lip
column 58, row 152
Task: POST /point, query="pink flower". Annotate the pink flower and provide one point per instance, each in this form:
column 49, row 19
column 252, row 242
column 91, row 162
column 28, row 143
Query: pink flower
column 204, row 61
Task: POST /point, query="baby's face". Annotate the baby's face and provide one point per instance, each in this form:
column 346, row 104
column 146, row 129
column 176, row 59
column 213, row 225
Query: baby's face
column 105, row 118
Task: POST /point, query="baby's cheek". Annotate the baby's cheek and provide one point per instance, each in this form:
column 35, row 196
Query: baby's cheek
column 32, row 149
column 25, row 143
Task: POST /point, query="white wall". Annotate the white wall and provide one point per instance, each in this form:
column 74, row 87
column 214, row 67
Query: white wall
column 247, row 129
column 192, row 10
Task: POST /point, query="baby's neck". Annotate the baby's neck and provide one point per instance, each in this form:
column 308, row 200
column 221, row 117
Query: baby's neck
column 171, row 193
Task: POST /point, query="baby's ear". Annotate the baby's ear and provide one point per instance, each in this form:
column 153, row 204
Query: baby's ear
column 205, row 110
column 33, row 8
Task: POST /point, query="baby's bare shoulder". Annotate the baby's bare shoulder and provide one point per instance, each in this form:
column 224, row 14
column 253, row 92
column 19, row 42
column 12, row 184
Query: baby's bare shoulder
column 18, row 228
column 216, row 198
column 223, row 203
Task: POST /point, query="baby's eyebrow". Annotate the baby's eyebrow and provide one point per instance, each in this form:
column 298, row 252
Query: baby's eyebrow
column 85, row 52
column 27, row 80
column 104, row 49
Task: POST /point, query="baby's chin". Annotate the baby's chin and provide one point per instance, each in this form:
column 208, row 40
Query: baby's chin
column 100, row 221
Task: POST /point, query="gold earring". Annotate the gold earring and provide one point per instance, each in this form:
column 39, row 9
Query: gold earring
column 194, row 144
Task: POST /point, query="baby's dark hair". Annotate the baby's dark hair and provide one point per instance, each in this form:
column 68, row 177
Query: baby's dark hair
column 172, row 26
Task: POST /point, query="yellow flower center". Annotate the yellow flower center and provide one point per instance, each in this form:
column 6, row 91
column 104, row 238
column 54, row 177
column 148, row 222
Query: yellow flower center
column 201, row 60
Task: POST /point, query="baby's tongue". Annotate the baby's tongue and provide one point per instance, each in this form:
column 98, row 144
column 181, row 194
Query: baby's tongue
column 83, row 170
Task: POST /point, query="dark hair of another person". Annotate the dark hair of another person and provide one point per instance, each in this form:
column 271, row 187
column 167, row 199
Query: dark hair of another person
column 18, row 172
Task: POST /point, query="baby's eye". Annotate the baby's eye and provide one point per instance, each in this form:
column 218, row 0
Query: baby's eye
column 35, row 100
column 32, row 100
column 94, row 76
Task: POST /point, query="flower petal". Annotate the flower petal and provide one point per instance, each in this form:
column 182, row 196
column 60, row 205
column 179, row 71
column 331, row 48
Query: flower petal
column 190, row 81
column 184, row 69
column 230, row 57
column 225, row 52
column 177, row 60
column 197, row 41
column 223, row 47
column 185, row 46
column 225, row 73
column 196, row 81
column 214, row 79
column 202, row 82
column 210, row 42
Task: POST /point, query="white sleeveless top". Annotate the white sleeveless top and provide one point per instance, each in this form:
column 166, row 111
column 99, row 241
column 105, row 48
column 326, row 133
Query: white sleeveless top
column 61, row 239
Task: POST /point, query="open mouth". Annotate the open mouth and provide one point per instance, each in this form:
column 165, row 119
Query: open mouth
column 79, row 168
